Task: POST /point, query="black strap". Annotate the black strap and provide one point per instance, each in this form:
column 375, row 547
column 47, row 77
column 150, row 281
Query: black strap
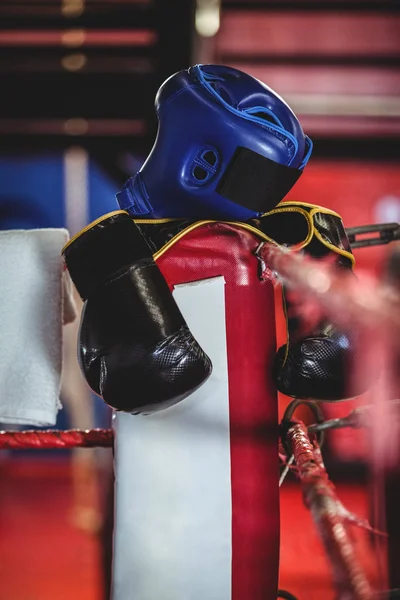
column 256, row 182
column 286, row 595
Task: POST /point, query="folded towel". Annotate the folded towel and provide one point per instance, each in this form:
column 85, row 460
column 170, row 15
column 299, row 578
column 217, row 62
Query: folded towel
column 35, row 300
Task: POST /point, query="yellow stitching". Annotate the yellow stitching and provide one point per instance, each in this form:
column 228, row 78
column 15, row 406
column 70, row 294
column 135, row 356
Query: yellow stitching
column 310, row 223
column 157, row 221
column 253, row 229
column 93, row 224
column 328, row 211
column 193, row 226
column 287, row 326
column 285, row 208
column 178, row 236
column 335, row 249
column 327, row 244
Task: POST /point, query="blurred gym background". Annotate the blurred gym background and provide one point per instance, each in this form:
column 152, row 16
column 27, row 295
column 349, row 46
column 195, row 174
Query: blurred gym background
column 78, row 80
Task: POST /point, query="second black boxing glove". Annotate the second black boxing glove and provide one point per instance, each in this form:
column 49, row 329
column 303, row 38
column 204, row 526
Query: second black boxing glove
column 134, row 347
column 317, row 364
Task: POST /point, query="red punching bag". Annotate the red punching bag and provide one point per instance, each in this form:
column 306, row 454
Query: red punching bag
column 197, row 496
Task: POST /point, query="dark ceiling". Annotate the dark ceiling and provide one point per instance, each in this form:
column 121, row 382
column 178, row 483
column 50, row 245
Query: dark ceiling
column 86, row 71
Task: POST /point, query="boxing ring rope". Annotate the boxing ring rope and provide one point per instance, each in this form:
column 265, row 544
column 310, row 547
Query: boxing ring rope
column 370, row 309
column 359, row 305
column 52, row 438
column 328, row 515
column 353, row 302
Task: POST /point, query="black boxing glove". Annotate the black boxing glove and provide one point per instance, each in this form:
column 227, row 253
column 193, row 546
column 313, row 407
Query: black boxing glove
column 319, row 363
column 135, row 349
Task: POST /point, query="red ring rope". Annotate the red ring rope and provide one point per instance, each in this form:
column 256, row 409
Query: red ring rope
column 320, row 498
column 53, row 438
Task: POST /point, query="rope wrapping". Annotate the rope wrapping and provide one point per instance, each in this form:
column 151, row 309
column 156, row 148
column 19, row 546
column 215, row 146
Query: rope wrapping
column 329, row 516
column 53, row 438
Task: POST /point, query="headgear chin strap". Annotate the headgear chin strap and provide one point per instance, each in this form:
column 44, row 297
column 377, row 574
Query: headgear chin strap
column 228, row 147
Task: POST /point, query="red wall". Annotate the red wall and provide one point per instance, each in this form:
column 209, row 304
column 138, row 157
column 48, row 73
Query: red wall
column 362, row 193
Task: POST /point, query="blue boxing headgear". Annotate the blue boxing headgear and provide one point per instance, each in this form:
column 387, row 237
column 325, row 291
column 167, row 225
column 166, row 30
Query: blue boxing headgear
column 228, row 147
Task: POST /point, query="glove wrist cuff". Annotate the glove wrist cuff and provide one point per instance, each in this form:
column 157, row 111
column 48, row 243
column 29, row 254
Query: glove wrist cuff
column 101, row 249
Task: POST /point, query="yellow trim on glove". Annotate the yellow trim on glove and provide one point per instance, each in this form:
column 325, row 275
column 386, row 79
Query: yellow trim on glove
column 328, row 245
column 312, row 230
column 91, row 225
column 328, row 211
column 306, row 214
column 194, row 226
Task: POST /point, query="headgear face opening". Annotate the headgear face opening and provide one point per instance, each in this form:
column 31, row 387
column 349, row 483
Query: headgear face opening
column 228, row 147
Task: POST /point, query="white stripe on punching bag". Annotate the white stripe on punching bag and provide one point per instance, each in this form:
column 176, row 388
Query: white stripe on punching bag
column 173, row 519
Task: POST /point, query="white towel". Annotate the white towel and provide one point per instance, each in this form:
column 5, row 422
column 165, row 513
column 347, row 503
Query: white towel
column 35, row 301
